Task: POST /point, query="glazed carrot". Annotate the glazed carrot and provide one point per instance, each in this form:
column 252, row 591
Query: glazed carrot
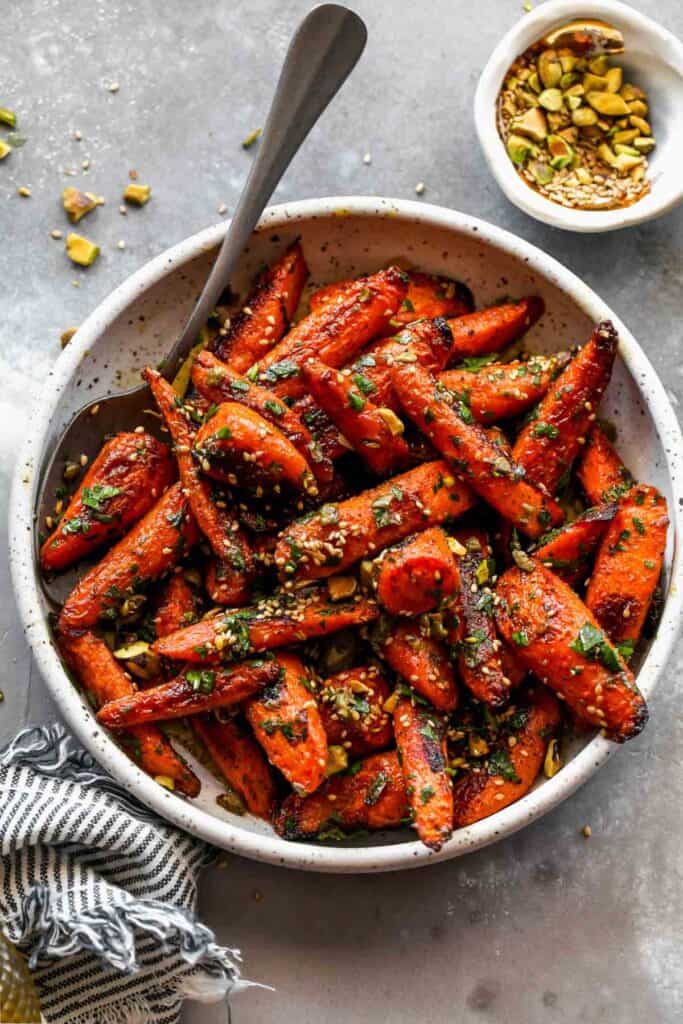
column 277, row 621
column 287, row 724
column 238, row 445
column 511, row 769
column 427, row 297
column 569, row 550
column 213, row 517
column 472, row 633
column 558, row 639
column 335, row 332
column 373, row 432
column 418, row 574
column 628, row 564
column 104, row 680
column 240, row 760
column 421, row 741
column 490, row 330
column 500, row 391
column 373, row 797
column 261, row 323
column 352, row 710
column 218, row 383
column 340, row 534
column 129, row 474
column 419, row 659
column 153, row 547
column 176, row 607
column 191, row 692
column 474, row 458
column 602, row 474
column 547, row 446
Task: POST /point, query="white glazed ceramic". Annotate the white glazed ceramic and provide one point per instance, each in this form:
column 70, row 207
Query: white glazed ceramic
column 653, row 59
column 342, row 237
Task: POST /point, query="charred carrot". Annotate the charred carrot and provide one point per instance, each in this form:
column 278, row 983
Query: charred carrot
column 558, row 639
column 474, row 458
column 418, row 574
column 277, row 621
column 240, row 760
column 261, row 323
column 130, row 473
column 287, row 724
column 176, row 607
column 569, row 550
column 500, row 391
column 153, row 547
column 602, row 474
column 428, row 297
column 374, row 433
column 218, row 383
column 237, row 445
column 419, row 659
column 335, row 332
column 194, row 691
column 352, row 710
column 511, row 767
column 213, row 517
column 549, row 443
column 421, row 741
column 490, row 330
column 371, row 797
column 341, row 533
column 628, row 565
column 104, row 680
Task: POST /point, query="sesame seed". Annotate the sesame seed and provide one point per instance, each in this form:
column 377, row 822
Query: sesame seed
column 420, row 188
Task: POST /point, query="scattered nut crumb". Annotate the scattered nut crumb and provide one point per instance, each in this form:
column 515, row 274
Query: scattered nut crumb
column 122, row 210
column 114, row 87
column 66, row 336
column 121, row 244
column 77, row 135
column 420, row 187
column 56, row 233
column 222, row 209
column 85, row 165
column 587, row 831
column 24, row 191
column 367, row 159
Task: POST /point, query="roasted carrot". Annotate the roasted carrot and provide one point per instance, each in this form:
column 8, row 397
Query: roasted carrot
column 130, row 473
column 287, row 724
column 336, row 332
column 194, row 691
column 213, row 516
column 511, row 768
column 418, row 574
column 218, row 383
column 569, row 550
column 277, row 621
column 421, row 741
column 490, row 330
column 602, row 474
column 104, row 680
column 240, row 760
column 340, row 534
column 372, row 797
column 237, row 445
column 500, row 391
column 551, row 440
column 418, row 658
column 153, row 547
column 474, row 458
column 558, row 639
column 628, row 565
column 176, row 607
column 261, row 323
column 428, row 296
column 374, row 433
column 352, row 710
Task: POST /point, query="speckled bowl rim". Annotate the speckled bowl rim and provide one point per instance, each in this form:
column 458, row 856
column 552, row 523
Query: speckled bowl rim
column 527, row 30
column 196, row 821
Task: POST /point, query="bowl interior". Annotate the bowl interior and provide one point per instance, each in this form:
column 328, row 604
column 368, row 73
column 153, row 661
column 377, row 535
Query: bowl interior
column 338, row 244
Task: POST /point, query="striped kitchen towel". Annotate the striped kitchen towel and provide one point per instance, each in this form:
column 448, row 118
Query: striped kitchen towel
column 100, row 892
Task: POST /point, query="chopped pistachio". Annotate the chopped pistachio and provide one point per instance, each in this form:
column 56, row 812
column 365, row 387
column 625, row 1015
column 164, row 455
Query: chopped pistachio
column 77, row 204
column 164, row 780
column 625, row 137
column 561, row 153
column 638, row 108
column 533, row 124
column 549, row 69
column 337, row 760
column 24, row 191
column 8, row 117
column 642, row 126
column 608, row 103
column 65, row 337
column 628, row 150
column 341, row 587
column 81, row 250
column 518, row 149
column 644, row 145
column 631, row 92
column 5, row 150
column 594, row 83
column 251, row 138
column 543, row 173
column 138, row 195
column 552, row 762
column 395, row 425
column 614, row 78
column 551, row 99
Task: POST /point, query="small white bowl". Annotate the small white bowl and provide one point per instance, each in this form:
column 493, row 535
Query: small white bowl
column 653, row 59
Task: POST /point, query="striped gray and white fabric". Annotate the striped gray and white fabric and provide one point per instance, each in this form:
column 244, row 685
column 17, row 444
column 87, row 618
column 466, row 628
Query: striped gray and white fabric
column 99, row 891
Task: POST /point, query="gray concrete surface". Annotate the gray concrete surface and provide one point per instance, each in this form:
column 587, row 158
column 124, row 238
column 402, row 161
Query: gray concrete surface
column 548, row 926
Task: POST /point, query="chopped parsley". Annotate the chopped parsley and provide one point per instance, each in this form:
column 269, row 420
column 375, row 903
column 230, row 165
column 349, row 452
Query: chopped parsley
column 381, row 508
column 426, row 794
column 274, row 407
column 520, row 638
column 475, row 363
column 363, row 383
column 356, row 402
column 376, row 788
column 95, row 497
column 500, row 764
column 202, row 680
column 592, row 643
column 280, row 371
column 541, row 429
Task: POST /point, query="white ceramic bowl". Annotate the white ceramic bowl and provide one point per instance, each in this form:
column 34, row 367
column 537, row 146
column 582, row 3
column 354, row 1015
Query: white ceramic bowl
column 341, row 237
column 653, row 59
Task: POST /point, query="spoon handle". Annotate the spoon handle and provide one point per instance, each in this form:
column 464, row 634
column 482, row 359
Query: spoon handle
column 322, row 53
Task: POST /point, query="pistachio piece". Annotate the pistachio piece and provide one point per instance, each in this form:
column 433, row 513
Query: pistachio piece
column 478, row 747
column 591, row 132
column 556, row 121
column 614, row 78
column 625, row 137
column 638, row 173
column 166, row 781
column 551, row 99
column 535, row 82
column 549, row 69
column 543, row 173
column 81, row 250
column 66, row 336
column 584, row 116
column 561, row 153
column 573, row 102
column 337, row 760
column 594, row 83
column 391, row 703
column 631, row 92
column 623, row 163
column 608, row 103
column 341, row 587
column 395, row 425
column 642, row 126
column 644, row 145
column 575, row 90
column 5, row 150
column 599, row 65
column 456, row 547
column 518, row 149
column 552, row 761
column 568, row 60
column 77, row 203
column 584, row 176
column 603, row 125
column 570, row 134
column 628, row 150
column 606, row 155
column 568, row 79
column 638, row 108
column 138, row 195
column 8, row 117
